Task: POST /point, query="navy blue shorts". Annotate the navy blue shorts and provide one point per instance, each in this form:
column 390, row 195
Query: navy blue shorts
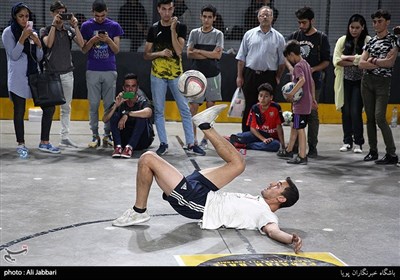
column 189, row 197
column 300, row 121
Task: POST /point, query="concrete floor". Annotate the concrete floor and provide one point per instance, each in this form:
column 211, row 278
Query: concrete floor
column 59, row 208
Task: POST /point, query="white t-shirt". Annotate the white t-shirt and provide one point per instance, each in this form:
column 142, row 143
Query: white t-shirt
column 236, row 210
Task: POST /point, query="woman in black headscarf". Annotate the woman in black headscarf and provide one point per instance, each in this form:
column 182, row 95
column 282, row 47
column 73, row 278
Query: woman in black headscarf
column 24, row 51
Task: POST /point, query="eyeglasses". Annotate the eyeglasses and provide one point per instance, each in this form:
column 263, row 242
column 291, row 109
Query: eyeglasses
column 265, row 15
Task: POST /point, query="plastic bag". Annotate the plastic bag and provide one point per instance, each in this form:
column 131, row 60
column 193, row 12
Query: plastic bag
column 238, row 104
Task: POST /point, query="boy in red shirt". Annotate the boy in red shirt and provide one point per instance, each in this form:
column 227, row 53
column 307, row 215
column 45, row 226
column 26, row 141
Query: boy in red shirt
column 265, row 122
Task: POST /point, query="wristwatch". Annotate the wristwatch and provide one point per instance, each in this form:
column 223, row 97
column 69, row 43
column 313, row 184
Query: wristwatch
column 125, row 112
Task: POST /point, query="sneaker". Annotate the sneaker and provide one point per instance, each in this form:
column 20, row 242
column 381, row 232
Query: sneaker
column 117, row 152
column 162, row 150
column 388, row 159
column 196, row 150
column 284, row 154
column 22, row 151
column 357, row 149
column 95, row 141
column 131, row 217
column 209, row 115
column 68, row 143
column 108, row 141
column 298, row 160
column 312, row 152
column 234, row 139
column 345, row 148
column 127, row 153
column 371, row 156
column 48, row 148
column 204, row 144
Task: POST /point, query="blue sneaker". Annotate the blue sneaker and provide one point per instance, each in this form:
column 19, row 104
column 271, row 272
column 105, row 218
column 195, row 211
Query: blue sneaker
column 22, row 151
column 196, row 150
column 162, row 150
column 48, row 148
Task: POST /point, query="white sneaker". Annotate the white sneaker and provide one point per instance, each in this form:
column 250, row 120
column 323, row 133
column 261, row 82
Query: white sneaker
column 345, row 148
column 357, row 149
column 131, row 217
column 209, row 115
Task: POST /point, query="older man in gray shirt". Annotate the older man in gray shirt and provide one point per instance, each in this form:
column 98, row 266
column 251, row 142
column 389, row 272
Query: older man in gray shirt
column 260, row 59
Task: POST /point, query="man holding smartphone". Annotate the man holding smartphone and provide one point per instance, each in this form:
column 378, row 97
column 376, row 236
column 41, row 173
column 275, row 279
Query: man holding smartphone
column 57, row 40
column 130, row 119
column 102, row 38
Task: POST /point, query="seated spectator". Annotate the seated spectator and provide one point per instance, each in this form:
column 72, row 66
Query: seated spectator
column 130, row 119
column 265, row 121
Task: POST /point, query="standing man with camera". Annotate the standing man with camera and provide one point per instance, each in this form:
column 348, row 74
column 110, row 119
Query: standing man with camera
column 57, row 40
column 102, row 38
column 130, row 119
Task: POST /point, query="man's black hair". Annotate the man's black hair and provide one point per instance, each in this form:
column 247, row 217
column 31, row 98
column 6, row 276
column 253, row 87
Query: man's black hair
column 131, row 76
column 163, row 2
column 209, row 8
column 305, row 13
column 291, row 193
column 381, row 13
column 99, row 6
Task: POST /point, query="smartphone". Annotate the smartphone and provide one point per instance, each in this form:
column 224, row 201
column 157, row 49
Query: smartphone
column 128, row 95
column 66, row 16
column 101, row 32
column 30, row 24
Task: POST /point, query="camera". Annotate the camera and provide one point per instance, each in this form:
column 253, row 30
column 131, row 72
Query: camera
column 128, row 95
column 66, row 16
column 396, row 30
column 101, row 32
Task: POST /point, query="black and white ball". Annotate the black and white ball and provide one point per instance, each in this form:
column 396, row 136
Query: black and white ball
column 287, row 88
column 192, row 84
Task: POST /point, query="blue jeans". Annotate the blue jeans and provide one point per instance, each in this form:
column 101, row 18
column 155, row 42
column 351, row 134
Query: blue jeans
column 352, row 122
column 253, row 143
column 159, row 92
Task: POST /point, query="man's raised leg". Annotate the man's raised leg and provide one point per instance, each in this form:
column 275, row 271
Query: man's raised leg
column 234, row 161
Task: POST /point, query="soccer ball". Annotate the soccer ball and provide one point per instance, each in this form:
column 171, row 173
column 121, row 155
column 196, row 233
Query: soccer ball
column 287, row 88
column 287, row 116
column 192, row 84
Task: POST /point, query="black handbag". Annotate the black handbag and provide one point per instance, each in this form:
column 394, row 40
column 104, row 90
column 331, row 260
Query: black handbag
column 46, row 89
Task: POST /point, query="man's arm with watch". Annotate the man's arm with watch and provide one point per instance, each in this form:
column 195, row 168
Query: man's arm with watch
column 110, row 111
column 143, row 113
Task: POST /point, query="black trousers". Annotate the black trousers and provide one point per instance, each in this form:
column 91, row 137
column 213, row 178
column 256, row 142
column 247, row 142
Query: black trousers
column 19, row 112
